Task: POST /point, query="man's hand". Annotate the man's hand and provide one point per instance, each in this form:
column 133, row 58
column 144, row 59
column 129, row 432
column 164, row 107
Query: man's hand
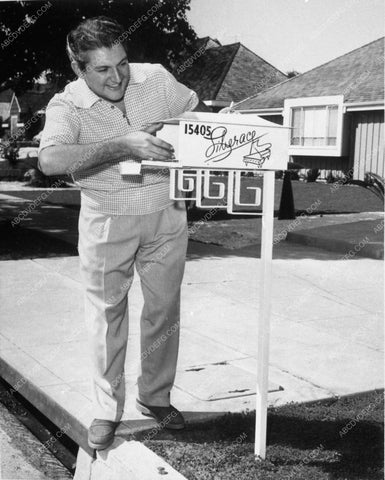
column 145, row 145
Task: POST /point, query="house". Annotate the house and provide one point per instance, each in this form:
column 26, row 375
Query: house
column 33, row 103
column 9, row 109
column 23, row 115
column 336, row 112
column 221, row 74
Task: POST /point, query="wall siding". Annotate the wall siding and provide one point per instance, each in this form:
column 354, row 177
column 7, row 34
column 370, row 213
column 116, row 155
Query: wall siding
column 368, row 143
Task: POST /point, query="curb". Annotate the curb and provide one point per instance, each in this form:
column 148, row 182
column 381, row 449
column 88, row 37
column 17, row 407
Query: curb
column 350, row 239
column 124, row 459
column 375, row 251
column 51, row 409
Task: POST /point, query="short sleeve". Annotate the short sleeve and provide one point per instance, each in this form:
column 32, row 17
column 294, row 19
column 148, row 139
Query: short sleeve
column 62, row 124
column 179, row 98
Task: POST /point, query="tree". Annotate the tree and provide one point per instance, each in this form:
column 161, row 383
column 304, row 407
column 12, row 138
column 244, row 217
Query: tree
column 33, row 34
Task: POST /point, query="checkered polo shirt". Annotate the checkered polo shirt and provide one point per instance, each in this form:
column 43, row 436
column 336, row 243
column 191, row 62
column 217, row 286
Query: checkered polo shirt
column 79, row 116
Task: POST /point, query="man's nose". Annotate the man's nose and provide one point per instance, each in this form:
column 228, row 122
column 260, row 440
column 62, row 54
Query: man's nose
column 116, row 75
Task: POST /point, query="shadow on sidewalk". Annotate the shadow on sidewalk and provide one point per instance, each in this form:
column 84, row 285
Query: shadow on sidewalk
column 18, row 243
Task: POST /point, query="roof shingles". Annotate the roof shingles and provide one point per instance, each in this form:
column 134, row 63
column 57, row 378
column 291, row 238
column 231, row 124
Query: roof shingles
column 229, row 73
column 247, row 74
column 6, row 96
column 358, row 75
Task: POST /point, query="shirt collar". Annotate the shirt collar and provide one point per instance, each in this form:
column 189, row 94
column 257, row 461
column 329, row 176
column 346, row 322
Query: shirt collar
column 137, row 74
column 83, row 97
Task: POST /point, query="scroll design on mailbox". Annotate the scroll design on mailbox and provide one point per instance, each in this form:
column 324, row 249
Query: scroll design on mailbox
column 195, row 184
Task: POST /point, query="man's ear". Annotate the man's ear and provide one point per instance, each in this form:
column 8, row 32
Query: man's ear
column 76, row 69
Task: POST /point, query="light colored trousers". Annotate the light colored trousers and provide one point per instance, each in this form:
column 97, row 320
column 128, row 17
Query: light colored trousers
column 109, row 247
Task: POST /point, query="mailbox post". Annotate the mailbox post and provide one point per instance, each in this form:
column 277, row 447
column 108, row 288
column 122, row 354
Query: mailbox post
column 232, row 143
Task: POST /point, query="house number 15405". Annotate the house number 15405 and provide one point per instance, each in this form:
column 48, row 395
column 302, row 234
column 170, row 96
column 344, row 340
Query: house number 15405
column 190, row 129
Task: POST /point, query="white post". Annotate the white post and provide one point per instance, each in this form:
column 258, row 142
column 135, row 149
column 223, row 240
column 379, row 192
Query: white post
column 263, row 329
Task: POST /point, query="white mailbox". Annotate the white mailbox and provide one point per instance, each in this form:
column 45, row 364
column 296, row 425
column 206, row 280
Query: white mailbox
column 222, row 141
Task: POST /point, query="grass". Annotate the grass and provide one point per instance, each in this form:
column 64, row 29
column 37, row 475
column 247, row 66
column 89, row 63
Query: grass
column 324, row 198
column 305, row 442
column 334, row 198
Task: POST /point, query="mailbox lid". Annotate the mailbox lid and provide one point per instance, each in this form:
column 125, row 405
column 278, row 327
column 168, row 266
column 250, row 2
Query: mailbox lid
column 224, row 118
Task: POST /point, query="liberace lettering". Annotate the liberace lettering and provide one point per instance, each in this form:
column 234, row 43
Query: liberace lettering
column 221, row 147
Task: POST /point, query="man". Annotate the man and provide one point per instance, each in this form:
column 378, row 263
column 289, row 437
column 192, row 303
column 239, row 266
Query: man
column 109, row 114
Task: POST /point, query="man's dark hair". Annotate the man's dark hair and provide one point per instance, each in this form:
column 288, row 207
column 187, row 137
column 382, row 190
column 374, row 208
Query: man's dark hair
column 91, row 34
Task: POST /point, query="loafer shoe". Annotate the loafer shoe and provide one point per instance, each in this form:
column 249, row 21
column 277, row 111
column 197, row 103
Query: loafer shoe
column 167, row 417
column 101, row 433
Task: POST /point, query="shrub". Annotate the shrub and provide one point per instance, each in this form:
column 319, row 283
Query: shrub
column 330, row 178
column 373, row 182
column 312, row 175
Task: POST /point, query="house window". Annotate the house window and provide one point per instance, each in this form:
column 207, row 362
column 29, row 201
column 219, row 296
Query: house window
column 316, row 125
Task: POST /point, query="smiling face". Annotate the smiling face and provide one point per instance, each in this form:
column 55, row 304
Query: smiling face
column 107, row 72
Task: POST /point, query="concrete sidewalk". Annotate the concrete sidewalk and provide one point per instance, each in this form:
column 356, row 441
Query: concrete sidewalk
column 326, row 330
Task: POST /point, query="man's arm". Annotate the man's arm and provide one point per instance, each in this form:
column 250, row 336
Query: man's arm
column 68, row 158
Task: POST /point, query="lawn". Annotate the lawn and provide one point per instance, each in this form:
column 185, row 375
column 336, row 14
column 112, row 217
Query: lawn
column 334, row 198
column 316, row 196
column 339, row 439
